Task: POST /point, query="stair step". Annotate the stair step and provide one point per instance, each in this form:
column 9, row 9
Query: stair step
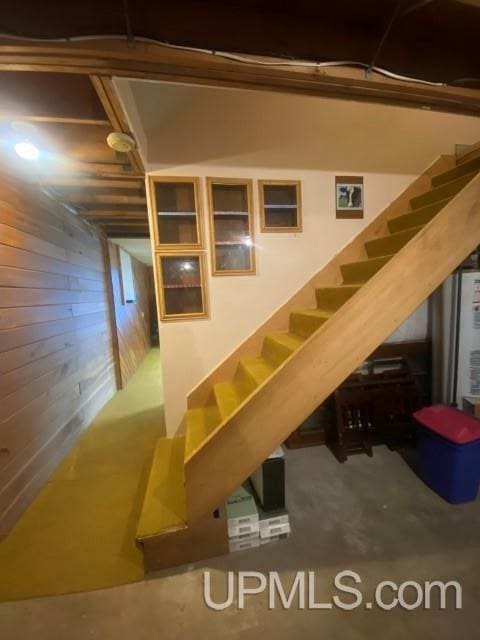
column 457, row 172
column 360, row 272
column 277, row 347
column 251, row 372
column 227, row 397
column 164, row 504
column 418, row 218
column 332, row 298
column 200, row 423
column 304, row 323
column 390, row 244
column 258, row 369
column 446, row 190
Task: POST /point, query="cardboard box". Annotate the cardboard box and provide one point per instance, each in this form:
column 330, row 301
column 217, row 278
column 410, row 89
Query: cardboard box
column 471, row 406
column 268, row 482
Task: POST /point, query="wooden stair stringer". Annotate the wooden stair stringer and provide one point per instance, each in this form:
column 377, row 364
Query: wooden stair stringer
column 262, row 422
column 328, row 276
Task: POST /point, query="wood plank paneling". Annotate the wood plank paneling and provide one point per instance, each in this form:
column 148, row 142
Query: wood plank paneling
column 56, row 358
column 133, row 319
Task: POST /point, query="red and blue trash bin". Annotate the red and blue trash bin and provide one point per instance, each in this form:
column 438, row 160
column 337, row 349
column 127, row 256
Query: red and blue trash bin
column 448, row 445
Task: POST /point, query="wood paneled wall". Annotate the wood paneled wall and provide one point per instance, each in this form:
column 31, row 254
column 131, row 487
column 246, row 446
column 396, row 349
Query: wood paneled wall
column 132, row 319
column 56, row 358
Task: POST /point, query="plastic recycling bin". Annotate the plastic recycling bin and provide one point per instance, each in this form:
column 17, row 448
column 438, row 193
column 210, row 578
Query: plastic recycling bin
column 448, row 444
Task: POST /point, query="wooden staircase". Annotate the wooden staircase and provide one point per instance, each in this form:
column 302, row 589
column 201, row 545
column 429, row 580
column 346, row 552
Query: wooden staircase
column 247, row 407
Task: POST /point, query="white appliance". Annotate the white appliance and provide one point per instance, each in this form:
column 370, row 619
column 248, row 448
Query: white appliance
column 457, row 329
column 468, row 366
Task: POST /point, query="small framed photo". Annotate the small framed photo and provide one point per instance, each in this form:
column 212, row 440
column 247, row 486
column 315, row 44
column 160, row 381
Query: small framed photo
column 349, row 197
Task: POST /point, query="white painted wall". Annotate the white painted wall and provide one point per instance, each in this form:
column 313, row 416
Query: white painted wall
column 225, row 133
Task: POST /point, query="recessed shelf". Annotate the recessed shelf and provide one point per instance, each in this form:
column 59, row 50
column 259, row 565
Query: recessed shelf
column 181, row 286
column 176, row 225
column 181, row 282
column 230, row 213
column 231, row 242
column 176, row 213
column 231, row 226
column 280, row 206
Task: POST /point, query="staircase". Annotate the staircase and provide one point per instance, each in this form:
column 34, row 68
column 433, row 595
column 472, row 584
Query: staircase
column 247, row 407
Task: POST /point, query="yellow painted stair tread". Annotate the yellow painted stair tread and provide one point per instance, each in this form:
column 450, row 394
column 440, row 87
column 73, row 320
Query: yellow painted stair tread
column 164, row 505
column 200, row 423
column 227, row 398
column 445, row 190
column 304, row 323
column 258, row 368
column 361, row 271
column 332, row 298
column 418, row 217
column 456, row 172
column 290, row 340
column 277, row 347
column 392, row 243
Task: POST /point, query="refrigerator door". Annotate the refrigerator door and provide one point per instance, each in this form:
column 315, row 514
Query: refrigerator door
column 469, row 339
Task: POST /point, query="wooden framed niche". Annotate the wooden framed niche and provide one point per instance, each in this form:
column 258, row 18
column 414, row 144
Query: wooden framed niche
column 231, row 226
column 280, row 206
column 181, row 282
column 175, row 216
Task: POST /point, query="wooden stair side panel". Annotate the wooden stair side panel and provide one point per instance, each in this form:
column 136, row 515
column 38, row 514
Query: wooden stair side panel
column 328, row 276
column 237, row 447
column 205, row 539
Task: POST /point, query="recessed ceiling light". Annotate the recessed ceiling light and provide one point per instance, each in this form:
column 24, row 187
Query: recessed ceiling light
column 27, row 150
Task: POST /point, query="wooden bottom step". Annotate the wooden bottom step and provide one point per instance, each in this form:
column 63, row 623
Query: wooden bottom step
column 164, row 506
column 205, row 539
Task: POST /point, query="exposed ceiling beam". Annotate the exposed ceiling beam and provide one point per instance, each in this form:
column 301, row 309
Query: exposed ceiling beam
column 148, row 61
column 108, row 98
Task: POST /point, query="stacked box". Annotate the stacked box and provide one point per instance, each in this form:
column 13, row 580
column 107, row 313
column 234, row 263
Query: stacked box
column 268, row 482
column 243, row 521
column 274, row 524
column 282, row 536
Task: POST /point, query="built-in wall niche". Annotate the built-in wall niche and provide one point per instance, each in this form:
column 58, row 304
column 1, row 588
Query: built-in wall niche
column 175, row 213
column 231, row 226
column 280, row 206
column 182, row 286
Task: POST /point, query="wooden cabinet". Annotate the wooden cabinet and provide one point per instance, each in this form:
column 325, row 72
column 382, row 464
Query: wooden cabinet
column 175, row 213
column 280, row 206
column 231, row 226
column 181, row 286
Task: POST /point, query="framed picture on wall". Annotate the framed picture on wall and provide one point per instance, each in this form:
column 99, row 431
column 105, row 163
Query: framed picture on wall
column 349, row 196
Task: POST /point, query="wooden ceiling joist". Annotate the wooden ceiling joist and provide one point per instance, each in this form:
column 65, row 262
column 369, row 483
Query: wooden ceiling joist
column 71, row 117
column 86, row 197
column 93, row 183
column 113, row 214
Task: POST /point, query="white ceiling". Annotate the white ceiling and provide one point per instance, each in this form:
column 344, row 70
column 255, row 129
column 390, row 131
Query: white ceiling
column 139, row 248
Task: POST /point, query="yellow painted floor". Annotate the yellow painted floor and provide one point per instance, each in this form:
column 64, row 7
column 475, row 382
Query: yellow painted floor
column 79, row 534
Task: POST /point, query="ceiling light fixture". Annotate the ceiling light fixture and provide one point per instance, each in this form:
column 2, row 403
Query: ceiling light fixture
column 27, row 151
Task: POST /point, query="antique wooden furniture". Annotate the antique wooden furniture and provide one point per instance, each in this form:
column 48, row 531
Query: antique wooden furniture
column 374, row 404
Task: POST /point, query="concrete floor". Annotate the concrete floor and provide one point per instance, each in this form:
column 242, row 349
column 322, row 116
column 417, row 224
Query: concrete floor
column 372, row 516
